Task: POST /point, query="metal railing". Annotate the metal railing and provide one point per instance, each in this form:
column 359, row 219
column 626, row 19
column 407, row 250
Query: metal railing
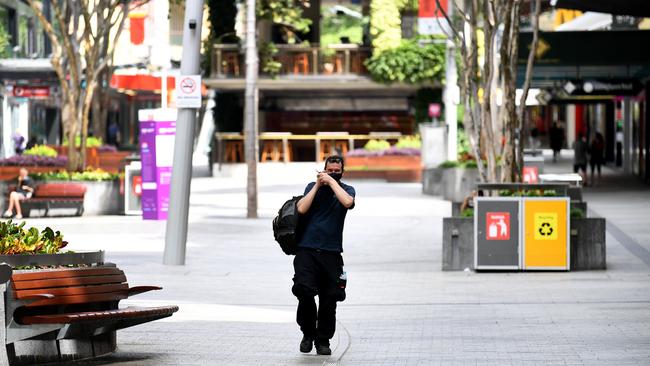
column 332, row 60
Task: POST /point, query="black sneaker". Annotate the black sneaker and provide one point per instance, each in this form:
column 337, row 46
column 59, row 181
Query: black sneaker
column 306, row 344
column 323, row 349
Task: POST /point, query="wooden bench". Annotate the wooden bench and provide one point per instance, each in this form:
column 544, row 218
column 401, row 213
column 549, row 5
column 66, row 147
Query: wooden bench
column 54, row 195
column 73, row 303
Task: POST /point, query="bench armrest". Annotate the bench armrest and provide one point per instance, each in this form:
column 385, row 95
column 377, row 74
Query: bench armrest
column 141, row 289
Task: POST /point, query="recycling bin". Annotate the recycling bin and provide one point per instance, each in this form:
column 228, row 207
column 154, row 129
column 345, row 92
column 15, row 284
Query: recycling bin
column 546, row 244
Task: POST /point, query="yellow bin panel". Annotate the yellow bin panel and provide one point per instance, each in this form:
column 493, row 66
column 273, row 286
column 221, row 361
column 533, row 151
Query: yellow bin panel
column 545, row 234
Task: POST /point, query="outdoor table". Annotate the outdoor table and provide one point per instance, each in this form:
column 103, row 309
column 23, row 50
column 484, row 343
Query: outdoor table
column 286, row 137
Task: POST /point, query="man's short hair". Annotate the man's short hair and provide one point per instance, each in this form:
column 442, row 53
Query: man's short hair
column 335, row 159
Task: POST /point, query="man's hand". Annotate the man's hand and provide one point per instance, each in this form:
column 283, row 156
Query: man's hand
column 324, row 179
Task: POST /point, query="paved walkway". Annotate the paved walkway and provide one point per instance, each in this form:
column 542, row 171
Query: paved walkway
column 237, row 307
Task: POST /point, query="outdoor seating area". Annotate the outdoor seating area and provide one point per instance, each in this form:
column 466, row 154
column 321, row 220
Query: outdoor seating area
column 277, row 146
column 295, row 59
column 48, row 196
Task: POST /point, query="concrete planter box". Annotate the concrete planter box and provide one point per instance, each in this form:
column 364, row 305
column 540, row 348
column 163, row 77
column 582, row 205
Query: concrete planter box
column 588, row 246
column 453, row 184
column 457, row 243
column 432, row 181
column 392, row 168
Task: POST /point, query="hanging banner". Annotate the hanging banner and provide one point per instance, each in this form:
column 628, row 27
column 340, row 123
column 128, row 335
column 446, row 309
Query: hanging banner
column 431, row 20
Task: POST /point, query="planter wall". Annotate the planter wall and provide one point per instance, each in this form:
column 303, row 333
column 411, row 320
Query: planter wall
column 588, row 246
column 457, row 243
column 432, row 181
column 392, row 168
column 453, row 184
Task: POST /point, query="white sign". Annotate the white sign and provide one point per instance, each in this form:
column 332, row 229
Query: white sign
column 433, row 26
column 188, row 91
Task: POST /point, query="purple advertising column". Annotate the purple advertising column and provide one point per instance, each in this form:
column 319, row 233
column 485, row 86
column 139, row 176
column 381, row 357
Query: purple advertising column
column 157, row 132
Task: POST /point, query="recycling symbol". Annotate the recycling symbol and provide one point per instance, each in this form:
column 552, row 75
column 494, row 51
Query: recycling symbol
column 545, row 229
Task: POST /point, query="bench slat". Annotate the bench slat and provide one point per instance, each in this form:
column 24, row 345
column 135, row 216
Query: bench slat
column 69, row 291
column 65, row 273
column 67, row 282
column 91, row 316
column 80, row 299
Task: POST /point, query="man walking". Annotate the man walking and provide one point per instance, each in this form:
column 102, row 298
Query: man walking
column 318, row 264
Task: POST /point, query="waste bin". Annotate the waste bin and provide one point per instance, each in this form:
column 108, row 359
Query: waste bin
column 546, row 233
column 497, row 233
column 533, row 167
column 133, row 188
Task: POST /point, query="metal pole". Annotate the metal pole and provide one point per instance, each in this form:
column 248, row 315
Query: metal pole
column 450, row 95
column 179, row 196
column 250, row 108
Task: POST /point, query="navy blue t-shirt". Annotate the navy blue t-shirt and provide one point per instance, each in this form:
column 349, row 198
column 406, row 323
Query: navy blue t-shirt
column 323, row 223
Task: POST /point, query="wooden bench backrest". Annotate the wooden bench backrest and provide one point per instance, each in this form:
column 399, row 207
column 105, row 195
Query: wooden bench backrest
column 71, row 286
column 76, row 190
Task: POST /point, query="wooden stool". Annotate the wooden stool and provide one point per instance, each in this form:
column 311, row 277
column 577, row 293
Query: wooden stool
column 301, row 61
column 231, row 63
column 329, row 147
column 273, row 151
column 234, row 151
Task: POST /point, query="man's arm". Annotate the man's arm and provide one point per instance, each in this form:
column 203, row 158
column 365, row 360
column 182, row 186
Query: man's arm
column 305, row 203
column 344, row 197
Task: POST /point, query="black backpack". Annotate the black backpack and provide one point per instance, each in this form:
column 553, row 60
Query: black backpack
column 285, row 226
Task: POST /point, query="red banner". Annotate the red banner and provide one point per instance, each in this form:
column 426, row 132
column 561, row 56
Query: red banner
column 429, row 8
column 136, row 28
column 31, row 91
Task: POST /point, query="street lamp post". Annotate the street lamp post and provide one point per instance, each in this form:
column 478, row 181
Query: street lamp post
column 179, row 197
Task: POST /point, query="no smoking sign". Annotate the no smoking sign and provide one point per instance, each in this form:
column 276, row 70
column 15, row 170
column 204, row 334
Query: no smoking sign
column 188, row 91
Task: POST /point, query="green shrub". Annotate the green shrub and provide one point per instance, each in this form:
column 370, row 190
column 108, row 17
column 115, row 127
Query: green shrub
column 15, row 239
column 449, row 164
column 577, row 213
column 41, row 150
column 410, row 63
column 91, row 141
column 412, row 142
column 468, row 212
column 89, row 175
column 377, row 145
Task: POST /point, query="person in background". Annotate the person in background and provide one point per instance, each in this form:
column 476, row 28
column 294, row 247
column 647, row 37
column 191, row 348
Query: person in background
column 557, row 136
column 19, row 142
column 31, row 143
column 580, row 157
column 597, row 156
column 24, row 190
column 113, row 133
column 468, row 202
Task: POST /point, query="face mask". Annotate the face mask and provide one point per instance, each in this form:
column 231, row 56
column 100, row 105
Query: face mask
column 336, row 176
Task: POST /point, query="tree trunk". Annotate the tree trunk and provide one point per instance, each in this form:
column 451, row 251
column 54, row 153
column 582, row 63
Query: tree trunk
column 251, row 110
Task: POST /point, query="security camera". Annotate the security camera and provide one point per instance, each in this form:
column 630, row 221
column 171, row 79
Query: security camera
column 192, row 24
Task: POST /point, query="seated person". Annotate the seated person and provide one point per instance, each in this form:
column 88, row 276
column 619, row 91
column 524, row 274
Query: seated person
column 24, row 190
column 468, row 202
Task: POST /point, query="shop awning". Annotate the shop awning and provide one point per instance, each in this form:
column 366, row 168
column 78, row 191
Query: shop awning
column 28, row 69
column 637, row 8
column 141, row 82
